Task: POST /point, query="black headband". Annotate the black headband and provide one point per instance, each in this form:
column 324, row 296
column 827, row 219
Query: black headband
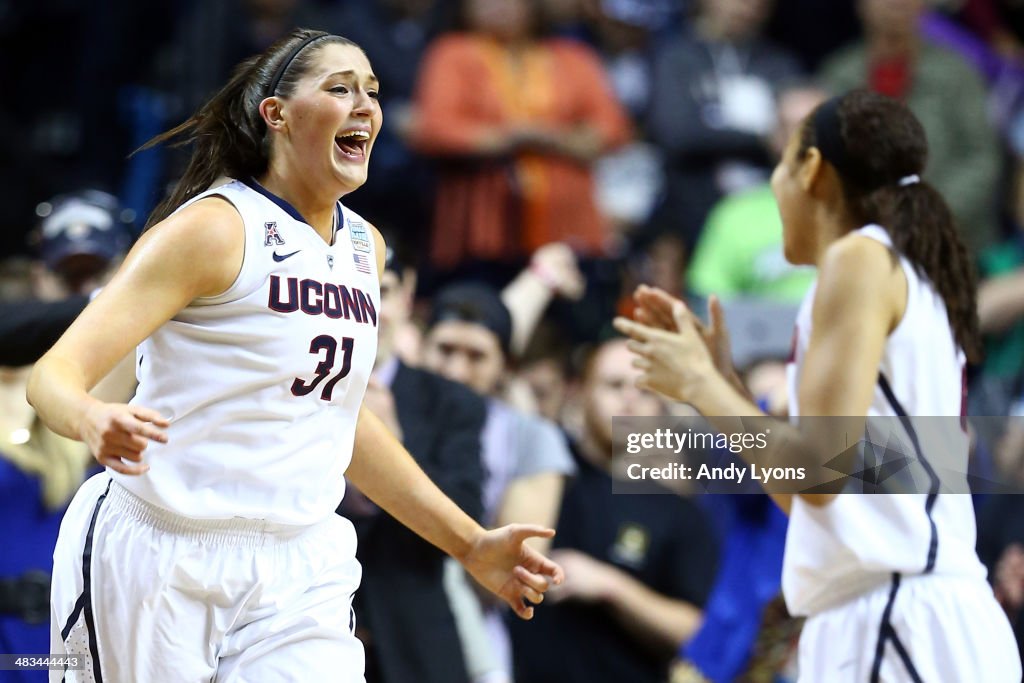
column 286, row 62
column 828, row 136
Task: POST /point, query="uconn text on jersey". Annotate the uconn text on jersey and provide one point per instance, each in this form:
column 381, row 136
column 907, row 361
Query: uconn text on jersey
column 318, row 298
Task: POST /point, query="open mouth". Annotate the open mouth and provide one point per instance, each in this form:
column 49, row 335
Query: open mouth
column 352, row 144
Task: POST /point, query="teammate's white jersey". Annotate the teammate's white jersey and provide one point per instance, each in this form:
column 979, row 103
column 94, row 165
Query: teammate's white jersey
column 263, row 383
column 856, row 542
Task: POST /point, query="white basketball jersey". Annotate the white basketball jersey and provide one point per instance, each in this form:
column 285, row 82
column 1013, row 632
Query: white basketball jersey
column 857, row 541
column 263, row 383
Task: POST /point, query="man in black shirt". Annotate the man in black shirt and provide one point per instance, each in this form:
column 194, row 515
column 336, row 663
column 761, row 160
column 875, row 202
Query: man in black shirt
column 638, row 566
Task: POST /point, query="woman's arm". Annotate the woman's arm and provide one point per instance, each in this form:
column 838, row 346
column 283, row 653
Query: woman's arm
column 383, row 470
column 498, row 559
column 196, row 252
column 860, row 298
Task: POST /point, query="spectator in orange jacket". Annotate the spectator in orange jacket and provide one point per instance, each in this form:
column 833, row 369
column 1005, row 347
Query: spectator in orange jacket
column 516, row 119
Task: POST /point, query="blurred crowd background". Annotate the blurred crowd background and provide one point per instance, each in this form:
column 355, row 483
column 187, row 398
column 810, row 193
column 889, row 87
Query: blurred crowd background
column 539, row 159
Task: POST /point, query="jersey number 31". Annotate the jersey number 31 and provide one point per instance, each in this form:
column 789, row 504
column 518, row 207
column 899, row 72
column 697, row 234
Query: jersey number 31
column 323, row 369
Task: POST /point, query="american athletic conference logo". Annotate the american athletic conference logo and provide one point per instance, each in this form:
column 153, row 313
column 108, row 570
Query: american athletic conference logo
column 271, row 237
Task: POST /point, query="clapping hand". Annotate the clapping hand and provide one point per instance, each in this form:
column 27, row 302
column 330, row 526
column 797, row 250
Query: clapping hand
column 675, row 363
column 655, row 309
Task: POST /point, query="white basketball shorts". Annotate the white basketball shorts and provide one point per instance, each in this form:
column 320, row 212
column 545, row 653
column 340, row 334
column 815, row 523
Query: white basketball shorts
column 144, row 594
column 938, row 629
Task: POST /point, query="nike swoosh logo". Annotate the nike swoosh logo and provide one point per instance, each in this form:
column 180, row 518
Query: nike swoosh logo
column 282, row 257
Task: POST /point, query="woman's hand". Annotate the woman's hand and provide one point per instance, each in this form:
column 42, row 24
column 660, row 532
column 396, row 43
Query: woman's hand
column 502, row 563
column 115, row 432
column 677, row 363
column 654, row 308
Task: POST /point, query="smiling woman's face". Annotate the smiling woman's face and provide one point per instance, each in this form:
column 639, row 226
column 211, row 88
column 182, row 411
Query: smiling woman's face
column 332, row 118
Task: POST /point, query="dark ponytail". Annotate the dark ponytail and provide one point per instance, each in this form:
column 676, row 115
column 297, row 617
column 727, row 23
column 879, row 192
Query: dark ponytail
column 879, row 150
column 228, row 132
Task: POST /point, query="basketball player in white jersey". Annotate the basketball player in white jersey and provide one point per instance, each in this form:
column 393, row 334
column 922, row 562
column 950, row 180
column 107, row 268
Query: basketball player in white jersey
column 890, row 583
column 209, row 549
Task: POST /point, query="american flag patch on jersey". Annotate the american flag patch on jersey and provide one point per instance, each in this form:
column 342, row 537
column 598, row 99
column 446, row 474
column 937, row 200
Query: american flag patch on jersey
column 362, row 263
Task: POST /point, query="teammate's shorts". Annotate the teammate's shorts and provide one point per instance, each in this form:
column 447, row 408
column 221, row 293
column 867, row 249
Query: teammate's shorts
column 937, row 629
column 146, row 595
